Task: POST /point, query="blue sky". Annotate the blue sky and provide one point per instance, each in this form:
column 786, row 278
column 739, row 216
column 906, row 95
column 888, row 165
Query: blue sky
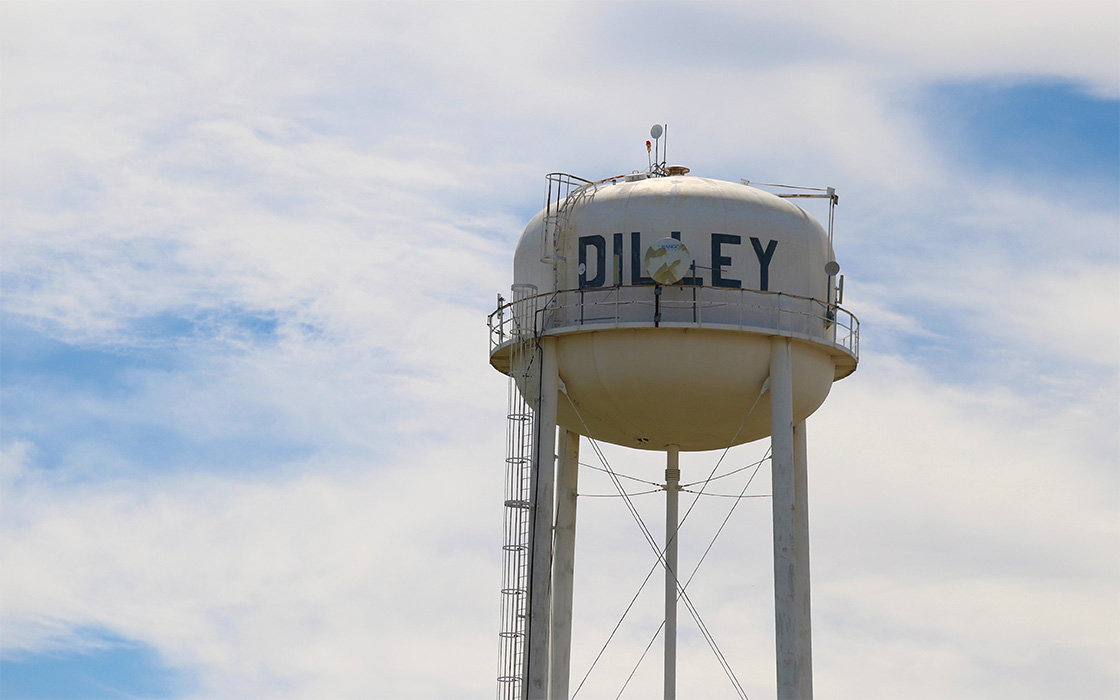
column 122, row 669
column 1041, row 130
column 250, row 442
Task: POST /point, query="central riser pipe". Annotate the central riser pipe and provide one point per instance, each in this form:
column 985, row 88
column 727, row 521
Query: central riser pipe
column 672, row 492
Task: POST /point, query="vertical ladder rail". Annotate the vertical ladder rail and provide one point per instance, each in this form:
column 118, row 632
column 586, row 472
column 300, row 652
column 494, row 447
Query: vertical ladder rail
column 524, row 367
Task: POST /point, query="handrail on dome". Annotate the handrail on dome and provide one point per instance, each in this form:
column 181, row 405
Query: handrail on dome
column 557, row 207
column 564, row 191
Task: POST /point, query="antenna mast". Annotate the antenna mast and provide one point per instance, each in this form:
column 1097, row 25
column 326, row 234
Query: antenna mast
column 658, row 167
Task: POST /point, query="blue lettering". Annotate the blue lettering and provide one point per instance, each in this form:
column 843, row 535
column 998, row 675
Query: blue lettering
column 617, row 281
column 719, row 260
column 636, row 276
column 764, row 258
column 600, row 246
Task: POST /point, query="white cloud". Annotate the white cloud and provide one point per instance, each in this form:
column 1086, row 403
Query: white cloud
column 14, row 461
column 362, row 183
column 948, row 524
column 312, row 585
column 982, row 525
column 933, row 40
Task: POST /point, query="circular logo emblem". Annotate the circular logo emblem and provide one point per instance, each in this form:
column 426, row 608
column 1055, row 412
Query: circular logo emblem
column 667, row 261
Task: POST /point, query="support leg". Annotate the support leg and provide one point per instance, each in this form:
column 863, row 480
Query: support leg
column 801, row 597
column 794, row 664
column 563, row 563
column 544, row 479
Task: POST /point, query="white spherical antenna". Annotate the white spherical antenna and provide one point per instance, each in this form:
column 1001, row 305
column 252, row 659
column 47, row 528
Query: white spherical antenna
column 656, row 131
column 667, row 261
column 832, row 267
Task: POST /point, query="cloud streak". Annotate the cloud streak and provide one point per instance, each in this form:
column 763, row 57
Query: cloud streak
column 247, row 415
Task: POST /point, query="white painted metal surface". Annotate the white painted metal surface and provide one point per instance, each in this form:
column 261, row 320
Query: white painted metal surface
column 761, row 241
column 758, row 268
column 544, row 481
column 802, row 627
column 674, row 367
column 791, row 536
column 564, row 562
column 672, row 520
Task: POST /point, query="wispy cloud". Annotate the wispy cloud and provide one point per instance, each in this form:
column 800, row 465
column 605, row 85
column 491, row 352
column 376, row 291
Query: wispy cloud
column 247, row 416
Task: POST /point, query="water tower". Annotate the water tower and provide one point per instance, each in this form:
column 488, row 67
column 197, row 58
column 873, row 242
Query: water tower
column 659, row 311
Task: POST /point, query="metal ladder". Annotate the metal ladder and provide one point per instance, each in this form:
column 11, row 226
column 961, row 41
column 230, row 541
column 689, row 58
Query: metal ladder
column 523, row 379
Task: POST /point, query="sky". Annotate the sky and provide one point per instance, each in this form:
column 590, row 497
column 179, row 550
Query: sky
column 250, row 442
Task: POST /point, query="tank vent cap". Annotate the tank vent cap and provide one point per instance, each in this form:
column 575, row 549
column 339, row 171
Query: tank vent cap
column 676, row 170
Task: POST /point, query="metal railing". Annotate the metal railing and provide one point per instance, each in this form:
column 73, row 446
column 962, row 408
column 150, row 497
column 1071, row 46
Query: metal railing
column 768, row 313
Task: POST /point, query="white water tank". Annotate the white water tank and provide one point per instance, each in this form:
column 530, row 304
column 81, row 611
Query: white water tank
column 647, row 365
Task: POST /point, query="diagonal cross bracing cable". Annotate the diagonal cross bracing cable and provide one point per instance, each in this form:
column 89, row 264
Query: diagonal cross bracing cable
column 624, row 495
column 756, row 466
column 721, row 476
column 723, row 455
column 716, row 495
column 616, row 626
column 695, row 569
column 626, row 476
column 683, row 596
